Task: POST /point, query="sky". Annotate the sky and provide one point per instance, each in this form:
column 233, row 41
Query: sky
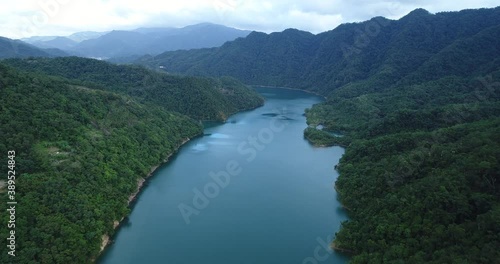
column 26, row 18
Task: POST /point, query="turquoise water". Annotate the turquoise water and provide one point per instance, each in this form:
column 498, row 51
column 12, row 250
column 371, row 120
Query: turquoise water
column 252, row 190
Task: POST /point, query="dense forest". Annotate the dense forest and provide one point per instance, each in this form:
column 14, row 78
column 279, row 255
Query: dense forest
column 420, row 177
column 84, row 132
column 79, row 153
column 199, row 98
column 416, row 102
column 421, row 173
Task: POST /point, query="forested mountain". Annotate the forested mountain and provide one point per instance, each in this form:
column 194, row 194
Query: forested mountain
column 326, row 61
column 10, row 48
column 417, row 102
column 80, row 152
column 421, row 173
column 199, row 98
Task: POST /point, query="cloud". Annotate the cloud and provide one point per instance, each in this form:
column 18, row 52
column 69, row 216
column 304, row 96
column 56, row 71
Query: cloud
column 63, row 17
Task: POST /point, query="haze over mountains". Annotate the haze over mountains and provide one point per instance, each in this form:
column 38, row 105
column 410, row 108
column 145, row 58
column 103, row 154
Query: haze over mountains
column 10, row 48
column 75, row 37
column 153, row 41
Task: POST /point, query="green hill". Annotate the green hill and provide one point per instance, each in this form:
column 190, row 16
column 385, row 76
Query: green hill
column 421, row 174
column 199, row 98
column 79, row 154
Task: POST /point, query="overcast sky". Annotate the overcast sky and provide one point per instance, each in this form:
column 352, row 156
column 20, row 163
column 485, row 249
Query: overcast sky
column 26, row 18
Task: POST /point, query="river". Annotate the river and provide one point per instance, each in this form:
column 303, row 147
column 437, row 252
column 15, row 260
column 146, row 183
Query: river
column 251, row 190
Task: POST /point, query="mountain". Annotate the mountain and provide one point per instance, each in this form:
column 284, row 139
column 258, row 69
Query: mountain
column 33, row 39
column 85, row 35
column 126, row 46
column 199, row 98
column 142, row 41
column 326, row 61
column 62, row 43
column 155, row 30
column 10, row 48
column 76, row 37
column 113, row 44
column 416, row 102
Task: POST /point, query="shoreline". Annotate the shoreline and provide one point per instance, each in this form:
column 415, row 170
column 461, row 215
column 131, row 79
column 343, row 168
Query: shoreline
column 234, row 113
column 105, row 239
column 343, row 250
column 338, row 192
column 289, row 88
column 332, row 244
column 142, row 180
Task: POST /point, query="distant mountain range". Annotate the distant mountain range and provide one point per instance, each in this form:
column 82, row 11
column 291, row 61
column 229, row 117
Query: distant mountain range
column 10, row 48
column 75, row 37
column 141, row 41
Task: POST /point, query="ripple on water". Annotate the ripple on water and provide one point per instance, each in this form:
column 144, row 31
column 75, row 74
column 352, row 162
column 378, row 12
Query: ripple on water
column 220, row 143
column 199, row 147
column 219, row 135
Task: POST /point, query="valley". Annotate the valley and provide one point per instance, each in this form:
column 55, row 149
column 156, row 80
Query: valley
column 384, row 148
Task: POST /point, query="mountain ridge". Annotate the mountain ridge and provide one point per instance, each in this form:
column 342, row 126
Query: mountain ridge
column 10, row 48
column 334, row 57
column 141, row 41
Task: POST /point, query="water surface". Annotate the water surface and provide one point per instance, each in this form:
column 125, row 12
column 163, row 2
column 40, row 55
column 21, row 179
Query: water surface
column 271, row 199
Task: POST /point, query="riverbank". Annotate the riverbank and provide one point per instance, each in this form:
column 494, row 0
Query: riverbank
column 225, row 118
column 343, row 250
column 141, row 181
column 105, row 240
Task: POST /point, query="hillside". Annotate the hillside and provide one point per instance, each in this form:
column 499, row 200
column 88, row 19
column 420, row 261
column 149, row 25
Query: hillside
column 421, row 173
column 199, row 98
column 79, row 154
column 417, row 103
